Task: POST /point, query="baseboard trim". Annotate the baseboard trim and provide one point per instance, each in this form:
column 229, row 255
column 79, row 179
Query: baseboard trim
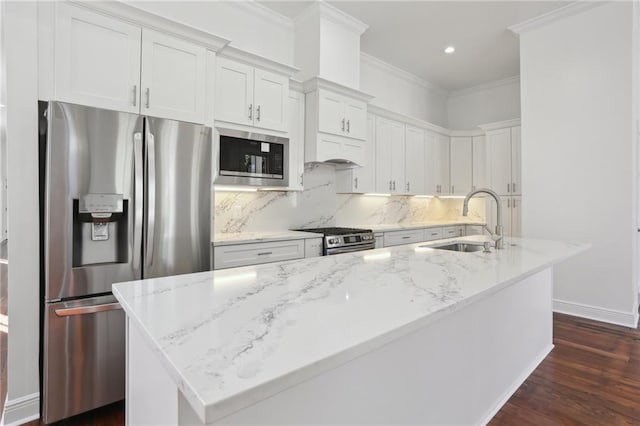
column 627, row 319
column 516, row 384
column 21, row 410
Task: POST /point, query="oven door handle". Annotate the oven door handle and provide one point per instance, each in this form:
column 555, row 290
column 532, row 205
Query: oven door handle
column 351, row 249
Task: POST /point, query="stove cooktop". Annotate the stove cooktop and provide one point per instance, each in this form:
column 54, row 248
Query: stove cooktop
column 336, row 230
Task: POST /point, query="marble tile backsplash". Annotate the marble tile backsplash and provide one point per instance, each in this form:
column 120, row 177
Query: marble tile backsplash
column 319, row 205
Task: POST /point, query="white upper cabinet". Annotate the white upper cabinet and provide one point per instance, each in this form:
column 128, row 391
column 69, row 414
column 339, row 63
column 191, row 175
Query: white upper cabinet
column 516, row 160
column 361, row 179
column 437, row 163
column 414, row 160
column 234, row 92
column 504, row 159
column 296, row 140
column 106, row 63
column 390, row 157
column 173, row 78
column 461, row 165
column 341, row 115
column 97, row 60
column 480, row 163
column 251, row 96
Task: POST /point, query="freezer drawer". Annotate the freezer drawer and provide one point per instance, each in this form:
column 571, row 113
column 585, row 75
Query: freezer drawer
column 84, row 356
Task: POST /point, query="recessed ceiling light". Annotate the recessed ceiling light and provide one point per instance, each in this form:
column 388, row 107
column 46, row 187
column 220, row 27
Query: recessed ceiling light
column 449, row 49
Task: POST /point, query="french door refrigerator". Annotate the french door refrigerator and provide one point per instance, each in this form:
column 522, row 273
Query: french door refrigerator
column 123, row 197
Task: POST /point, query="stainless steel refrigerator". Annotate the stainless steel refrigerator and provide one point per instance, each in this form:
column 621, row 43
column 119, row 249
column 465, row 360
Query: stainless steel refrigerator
column 123, row 197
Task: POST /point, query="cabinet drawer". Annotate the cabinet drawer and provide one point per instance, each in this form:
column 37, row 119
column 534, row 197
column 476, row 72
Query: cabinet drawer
column 452, row 231
column 433, row 234
column 253, row 254
column 397, row 238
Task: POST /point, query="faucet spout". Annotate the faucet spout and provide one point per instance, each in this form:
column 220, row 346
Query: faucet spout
column 497, row 236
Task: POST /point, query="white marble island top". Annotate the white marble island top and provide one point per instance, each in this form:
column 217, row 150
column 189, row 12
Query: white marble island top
column 232, row 337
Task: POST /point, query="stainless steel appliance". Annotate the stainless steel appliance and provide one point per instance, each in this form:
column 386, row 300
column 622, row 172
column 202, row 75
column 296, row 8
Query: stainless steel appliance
column 252, row 159
column 344, row 240
column 125, row 197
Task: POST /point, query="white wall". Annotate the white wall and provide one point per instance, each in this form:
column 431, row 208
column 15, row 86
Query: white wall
column 578, row 155
column 402, row 92
column 496, row 101
column 20, row 31
column 249, row 25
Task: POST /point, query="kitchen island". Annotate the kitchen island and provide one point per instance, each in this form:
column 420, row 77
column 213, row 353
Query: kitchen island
column 403, row 335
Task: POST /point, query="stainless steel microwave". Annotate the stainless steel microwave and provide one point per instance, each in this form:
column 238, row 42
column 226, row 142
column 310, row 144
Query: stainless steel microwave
column 252, row 159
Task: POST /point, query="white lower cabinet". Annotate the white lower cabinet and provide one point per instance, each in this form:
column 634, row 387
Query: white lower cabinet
column 231, row 256
column 431, row 234
column 397, row 238
column 313, row 247
column 453, row 231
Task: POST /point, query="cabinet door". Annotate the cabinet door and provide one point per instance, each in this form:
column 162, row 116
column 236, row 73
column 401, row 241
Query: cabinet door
column 480, row 163
column 331, row 117
column 384, row 149
column 356, row 114
column 234, row 92
column 461, row 165
column 364, row 177
column 516, row 160
column 296, row 140
column 270, row 100
column 173, row 78
column 430, row 158
column 516, row 216
column 499, row 144
column 442, row 163
column 398, row 153
column 97, row 60
column 415, row 160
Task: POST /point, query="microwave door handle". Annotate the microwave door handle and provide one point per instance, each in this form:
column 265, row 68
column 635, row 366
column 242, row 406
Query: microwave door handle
column 151, row 197
column 137, row 200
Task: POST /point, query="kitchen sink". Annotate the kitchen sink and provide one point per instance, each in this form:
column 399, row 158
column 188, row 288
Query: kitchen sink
column 461, row 247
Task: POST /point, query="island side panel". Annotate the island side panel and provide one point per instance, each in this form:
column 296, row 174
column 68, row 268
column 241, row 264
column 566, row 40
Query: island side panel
column 151, row 394
column 458, row 370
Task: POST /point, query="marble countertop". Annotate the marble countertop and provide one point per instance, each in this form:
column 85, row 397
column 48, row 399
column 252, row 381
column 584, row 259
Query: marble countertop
column 228, row 238
column 233, row 337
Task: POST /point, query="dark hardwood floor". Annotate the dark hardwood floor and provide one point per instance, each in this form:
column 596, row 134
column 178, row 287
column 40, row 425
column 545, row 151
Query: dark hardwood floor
column 592, row 377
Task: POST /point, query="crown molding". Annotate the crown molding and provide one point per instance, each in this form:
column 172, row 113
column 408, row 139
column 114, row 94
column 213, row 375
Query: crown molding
column 501, row 124
column 322, row 9
column 232, row 52
column 142, row 18
column 485, row 86
column 466, row 133
column 322, row 83
column 296, row 85
column 412, row 121
column 264, row 12
column 400, row 73
column 555, row 15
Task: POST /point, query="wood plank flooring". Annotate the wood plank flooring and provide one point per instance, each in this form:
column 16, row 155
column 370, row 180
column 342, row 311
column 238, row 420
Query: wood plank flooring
column 592, row 377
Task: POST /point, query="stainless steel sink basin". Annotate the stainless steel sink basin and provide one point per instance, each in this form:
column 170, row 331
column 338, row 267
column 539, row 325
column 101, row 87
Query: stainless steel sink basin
column 461, row 247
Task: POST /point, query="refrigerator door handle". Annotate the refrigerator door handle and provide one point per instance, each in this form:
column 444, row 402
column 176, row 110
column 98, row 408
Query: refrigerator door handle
column 83, row 310
column 138, row 200
column 151, row 196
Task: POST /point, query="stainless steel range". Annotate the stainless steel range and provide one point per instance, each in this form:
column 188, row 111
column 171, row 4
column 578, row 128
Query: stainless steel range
column 344, row 240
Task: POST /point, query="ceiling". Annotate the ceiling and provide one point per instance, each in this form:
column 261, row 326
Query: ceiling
column 413, row 34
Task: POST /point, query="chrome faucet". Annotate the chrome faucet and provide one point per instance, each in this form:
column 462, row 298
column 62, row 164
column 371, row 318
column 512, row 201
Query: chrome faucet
column 497, row 236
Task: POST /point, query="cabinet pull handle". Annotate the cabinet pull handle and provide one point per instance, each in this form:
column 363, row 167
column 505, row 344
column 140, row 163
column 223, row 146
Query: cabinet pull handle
column 406, row 238
column 135, row 94
column 390, row 184
column 514, row 203
column 265, row 253
column 348, row 126
column 408, row 186
column 355, row 180
column 513, row 186
column 453, row 189
column 250, row 111
column 301, row 179
column 508, row 188
column 258, row 113
column 394, row 185
column 148, row 96
column 343, row 124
